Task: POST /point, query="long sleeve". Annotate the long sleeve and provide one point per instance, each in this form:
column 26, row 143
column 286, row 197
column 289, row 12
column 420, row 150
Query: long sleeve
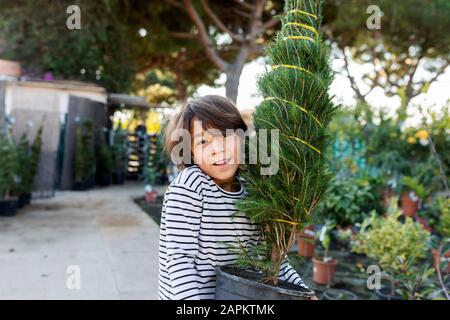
column 288, row 274
column 183, row 213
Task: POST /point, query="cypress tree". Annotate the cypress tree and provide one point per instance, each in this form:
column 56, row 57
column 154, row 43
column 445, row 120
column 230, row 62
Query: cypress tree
column 297, row 105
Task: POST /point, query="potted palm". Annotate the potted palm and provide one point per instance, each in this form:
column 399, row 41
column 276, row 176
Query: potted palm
column 325, row 266
column 294, row 115
column 9, row 178
column 395, row 245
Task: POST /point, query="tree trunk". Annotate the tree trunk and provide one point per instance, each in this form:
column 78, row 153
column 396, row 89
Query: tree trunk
column 275, row 264
column 234, row 74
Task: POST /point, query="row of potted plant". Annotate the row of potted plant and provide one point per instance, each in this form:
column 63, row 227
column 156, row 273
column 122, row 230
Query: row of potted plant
column 18, row 167
column 396, row 245
column 98, row 163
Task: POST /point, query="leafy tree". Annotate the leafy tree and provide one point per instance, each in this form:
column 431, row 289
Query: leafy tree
column 38, row 37
column 410, row 40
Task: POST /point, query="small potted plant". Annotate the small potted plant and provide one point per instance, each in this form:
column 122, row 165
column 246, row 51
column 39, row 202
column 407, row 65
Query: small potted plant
column 306, row 242
column 325, row 266
column 23, row 153
column 9, row 178
column 413, row 193
column 104, row 163
column 392, row 243
column 119, row 156
column 84, row 166
column 150, row 177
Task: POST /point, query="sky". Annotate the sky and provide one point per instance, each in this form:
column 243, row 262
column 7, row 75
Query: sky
column 437, row 96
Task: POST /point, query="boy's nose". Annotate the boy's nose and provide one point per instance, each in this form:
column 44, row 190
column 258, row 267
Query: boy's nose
column 217, row 145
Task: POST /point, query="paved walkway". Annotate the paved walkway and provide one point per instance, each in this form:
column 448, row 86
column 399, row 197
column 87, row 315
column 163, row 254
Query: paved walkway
column 101, row 235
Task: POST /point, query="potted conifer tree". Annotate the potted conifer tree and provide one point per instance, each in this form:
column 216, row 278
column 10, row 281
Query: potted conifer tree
column 297, row 106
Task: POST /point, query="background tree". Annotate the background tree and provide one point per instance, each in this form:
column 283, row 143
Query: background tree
column 35, row 33
column 230, row 35
column 403, row 58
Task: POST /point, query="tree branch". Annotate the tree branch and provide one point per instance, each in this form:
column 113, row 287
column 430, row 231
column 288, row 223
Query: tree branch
column 183, row 35
column 256, row 21
column 242, row 13
column 204, row 37
column 219, row 23
column 269, row 24
column 175, row 4
column 245, row 5
column 353, row 83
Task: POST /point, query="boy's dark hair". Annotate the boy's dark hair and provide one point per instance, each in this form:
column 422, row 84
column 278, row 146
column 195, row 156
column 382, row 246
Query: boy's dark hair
column 214, row 111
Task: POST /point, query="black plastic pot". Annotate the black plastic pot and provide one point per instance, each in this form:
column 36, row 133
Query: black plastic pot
column 80, row 185
column 24, row 199
column 239, row 284
column 104, row 180
column 339, row 294
column 8, row 207
column 385, row 294
column 118, row 177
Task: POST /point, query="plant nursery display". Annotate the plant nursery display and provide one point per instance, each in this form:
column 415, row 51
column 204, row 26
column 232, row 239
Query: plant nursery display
column 393, row 244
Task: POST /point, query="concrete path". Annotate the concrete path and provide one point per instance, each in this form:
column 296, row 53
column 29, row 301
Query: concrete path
column 95, row 244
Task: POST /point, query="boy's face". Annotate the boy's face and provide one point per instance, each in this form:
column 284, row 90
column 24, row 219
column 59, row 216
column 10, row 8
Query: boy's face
column 216, row 155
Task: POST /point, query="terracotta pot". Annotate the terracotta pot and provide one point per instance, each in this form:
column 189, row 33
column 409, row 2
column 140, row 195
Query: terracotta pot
column 424, row 224
column 150, row 196
column 409, row 205
column 305, row 245
column 437, row 259
column 324, row 271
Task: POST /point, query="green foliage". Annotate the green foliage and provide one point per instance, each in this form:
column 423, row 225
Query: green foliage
column 414, row 281
column 412, row 184
column 104, row 164
column 296, row 104
column 391, row 242
column 444, row 223
column 23, row 153
column 156, row 159
column 347, row 201
column 36, row 147
column 9, row 167
column 119, row 151
column 325, row 238
column 84, row 152
column 39, row 38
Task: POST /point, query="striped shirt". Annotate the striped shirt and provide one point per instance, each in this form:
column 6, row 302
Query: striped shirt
column 198, row 222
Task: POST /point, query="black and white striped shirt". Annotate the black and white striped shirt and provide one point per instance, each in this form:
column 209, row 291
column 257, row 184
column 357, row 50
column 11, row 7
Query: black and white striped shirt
column 199, row 220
